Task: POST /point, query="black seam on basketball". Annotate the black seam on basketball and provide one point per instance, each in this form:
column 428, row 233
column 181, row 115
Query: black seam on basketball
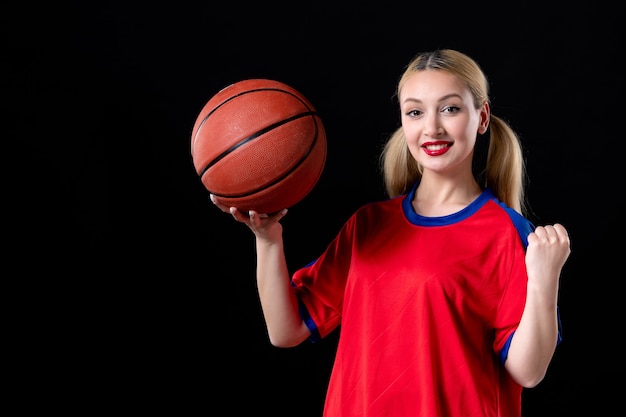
column 279, row 179
column 239, row 95
column 256, row 135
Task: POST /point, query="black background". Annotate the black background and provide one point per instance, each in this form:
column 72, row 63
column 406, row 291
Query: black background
column 148, row 291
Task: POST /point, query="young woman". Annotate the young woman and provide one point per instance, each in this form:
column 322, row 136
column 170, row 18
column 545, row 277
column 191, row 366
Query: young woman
column 446, row 293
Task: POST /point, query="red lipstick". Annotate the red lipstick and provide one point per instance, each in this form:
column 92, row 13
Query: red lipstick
column 436, row 148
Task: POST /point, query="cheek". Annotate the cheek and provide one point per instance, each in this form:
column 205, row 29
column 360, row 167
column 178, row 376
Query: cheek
column 473, row 125
column 412, row 140
column 411, row 136
column 411, row 132
column 463, row 130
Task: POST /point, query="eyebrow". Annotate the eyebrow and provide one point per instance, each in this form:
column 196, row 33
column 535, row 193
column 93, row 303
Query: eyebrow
column 444, row 98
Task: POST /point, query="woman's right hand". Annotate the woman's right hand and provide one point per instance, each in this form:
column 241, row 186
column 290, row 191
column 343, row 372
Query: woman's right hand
column 263, row 225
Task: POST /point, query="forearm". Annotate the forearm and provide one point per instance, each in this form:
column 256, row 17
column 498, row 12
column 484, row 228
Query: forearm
column 278, row 300
column 534, row 342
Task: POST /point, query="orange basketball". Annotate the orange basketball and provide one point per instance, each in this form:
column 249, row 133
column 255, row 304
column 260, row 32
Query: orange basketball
column 259, row 145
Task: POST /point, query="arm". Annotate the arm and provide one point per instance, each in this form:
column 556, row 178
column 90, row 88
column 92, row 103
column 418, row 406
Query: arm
column 534, row 341
column 278, row 300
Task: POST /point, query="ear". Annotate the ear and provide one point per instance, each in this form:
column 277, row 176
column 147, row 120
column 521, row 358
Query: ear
column 485, row 117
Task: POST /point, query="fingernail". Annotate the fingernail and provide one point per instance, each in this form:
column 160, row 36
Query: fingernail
column 212, row 198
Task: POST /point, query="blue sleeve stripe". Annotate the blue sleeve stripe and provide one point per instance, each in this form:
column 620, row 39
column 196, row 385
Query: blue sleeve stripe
column 522, row 224
column 306, row 317
column 504, row 352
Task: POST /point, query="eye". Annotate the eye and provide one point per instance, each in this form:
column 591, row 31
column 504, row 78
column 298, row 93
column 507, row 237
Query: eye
column 451, row 109
column 413, row 113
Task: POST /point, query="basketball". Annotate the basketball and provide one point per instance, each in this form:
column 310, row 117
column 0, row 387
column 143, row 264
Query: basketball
column 260, row 145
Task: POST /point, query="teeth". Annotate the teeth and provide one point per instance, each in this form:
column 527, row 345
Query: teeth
column 436, row 147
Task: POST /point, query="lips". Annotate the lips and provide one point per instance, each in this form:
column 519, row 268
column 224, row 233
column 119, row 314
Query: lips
column 436, row 148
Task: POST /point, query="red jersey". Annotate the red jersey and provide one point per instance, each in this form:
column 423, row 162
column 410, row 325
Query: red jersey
column 427, row 307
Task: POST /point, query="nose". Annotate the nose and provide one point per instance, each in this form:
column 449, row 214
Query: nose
column 432, row 126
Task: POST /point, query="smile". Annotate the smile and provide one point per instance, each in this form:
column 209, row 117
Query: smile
column 436, row 148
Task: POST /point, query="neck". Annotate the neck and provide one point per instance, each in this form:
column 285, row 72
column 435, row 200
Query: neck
column 439, row 197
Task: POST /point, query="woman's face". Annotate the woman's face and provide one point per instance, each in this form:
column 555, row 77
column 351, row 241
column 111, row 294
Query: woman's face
column 440, row 122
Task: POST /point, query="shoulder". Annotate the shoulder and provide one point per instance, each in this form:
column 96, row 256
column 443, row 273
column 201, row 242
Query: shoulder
column 379, row 206
column 522, row 225
column 377, row 213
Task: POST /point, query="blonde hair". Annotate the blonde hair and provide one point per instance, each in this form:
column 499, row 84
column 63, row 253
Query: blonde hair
column 504, row 173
